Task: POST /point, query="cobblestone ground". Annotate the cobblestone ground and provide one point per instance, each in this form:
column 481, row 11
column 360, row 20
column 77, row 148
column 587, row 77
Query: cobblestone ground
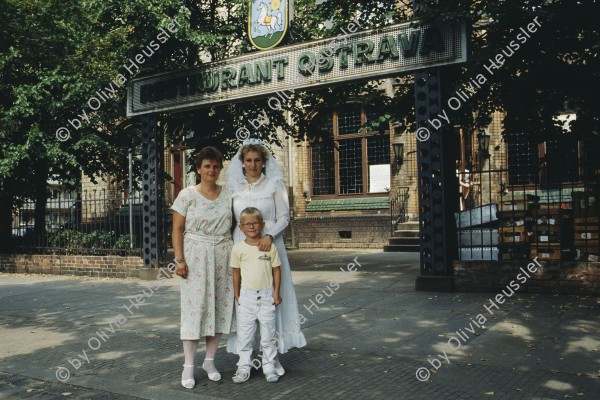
column 22, row 387
column 365, row 342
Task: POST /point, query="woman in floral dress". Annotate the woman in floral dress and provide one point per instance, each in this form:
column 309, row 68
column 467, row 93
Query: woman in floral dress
column 202, row 245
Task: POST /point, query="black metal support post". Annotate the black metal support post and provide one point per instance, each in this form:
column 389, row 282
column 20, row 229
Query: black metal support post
column 437, row 187
column 153, row 245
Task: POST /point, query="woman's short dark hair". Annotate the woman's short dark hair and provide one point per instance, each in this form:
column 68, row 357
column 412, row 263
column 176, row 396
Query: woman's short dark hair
column 209, row 153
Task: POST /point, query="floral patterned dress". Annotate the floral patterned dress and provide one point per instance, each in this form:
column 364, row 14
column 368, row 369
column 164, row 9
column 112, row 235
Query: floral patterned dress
column 207, row 293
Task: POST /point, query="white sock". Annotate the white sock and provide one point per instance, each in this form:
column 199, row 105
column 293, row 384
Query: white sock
column 209, row 366
column 189, row 352
column 212, row 342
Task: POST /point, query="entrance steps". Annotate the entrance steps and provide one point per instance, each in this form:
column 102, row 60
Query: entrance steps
column 404, row 239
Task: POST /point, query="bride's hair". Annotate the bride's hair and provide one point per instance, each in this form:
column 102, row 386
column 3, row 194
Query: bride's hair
column 254, row 147
column 235, row 172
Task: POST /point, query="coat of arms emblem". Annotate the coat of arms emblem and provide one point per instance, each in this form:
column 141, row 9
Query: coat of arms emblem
column 267, row 22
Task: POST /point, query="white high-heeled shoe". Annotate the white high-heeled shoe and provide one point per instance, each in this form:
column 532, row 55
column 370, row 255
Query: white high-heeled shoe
column 215, row 376
column 187, row 383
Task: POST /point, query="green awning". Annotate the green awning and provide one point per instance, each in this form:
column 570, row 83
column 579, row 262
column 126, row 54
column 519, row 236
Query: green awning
column 367, row 203
column 548, row 195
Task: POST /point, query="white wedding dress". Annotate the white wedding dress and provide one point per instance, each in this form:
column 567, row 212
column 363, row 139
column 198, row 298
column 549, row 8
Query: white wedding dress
column 269, row 195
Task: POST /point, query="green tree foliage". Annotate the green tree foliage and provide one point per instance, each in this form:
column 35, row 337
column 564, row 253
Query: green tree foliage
column 559, row 64
column 38, row 57
column 55, row 55
column 557, row 67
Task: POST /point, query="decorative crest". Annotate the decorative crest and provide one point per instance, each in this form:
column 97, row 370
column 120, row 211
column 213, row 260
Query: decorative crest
column 268, row 22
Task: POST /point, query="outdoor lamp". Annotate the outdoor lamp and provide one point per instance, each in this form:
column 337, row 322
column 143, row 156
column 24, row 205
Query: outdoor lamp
column 399, row 152
column 484, row 144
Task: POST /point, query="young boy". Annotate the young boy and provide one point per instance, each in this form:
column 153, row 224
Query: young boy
column 256, row 278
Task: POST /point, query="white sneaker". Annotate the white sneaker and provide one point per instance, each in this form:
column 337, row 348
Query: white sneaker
column 241, row 375
column 279, row 368
column 271, row 377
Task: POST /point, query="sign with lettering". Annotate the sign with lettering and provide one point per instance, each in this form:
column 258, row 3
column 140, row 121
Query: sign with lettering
column 372, row 54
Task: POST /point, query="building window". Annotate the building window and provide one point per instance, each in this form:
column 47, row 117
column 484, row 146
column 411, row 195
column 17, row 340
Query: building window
column 350, row 166
column 561, row 157
column 323, row 175
column 523, row 165
column 590, row 160
column 349, row 121
column 357, row 162
column 552, row 162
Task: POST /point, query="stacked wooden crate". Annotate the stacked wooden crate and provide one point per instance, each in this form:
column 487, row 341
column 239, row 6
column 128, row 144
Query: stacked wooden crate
column 551, row 233
column 477, row 233
column 515, row 225
column 586, row 225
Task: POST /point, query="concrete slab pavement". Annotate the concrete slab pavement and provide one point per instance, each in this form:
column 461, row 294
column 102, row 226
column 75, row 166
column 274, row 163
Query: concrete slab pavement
column 366, row 340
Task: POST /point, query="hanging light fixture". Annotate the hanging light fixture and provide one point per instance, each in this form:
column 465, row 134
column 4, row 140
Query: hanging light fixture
column 398, row 152
column 483, row 139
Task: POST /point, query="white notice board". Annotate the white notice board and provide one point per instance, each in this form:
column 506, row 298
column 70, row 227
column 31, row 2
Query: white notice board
column 379, row 178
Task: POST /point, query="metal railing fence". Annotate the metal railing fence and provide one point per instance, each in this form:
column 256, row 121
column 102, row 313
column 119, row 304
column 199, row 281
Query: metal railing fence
column 96, row 222
column 551, row 219
column 398, row 205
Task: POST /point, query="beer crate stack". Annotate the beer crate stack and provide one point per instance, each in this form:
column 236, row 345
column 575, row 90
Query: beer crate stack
column 551, row 232
column 586, row 225
column 515, row 225
column 478, row 233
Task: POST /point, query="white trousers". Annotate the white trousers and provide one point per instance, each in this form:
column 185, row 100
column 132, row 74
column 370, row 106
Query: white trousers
column 256, row 305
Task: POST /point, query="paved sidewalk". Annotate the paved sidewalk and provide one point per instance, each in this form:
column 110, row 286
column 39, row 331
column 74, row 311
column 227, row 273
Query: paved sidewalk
column 368, row 333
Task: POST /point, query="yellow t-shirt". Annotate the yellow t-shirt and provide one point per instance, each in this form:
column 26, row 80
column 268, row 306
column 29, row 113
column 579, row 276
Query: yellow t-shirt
column 256, row 266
